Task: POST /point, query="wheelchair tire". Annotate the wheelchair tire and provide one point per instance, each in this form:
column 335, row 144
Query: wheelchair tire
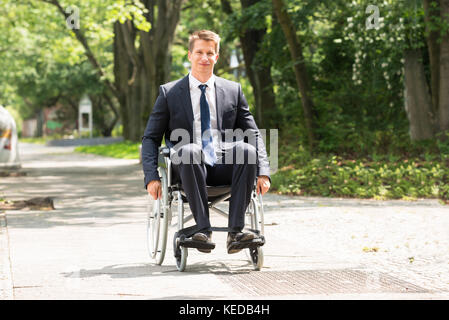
column 181, row 262
column 256, row 255
column 157, row 222
column 255, row 221
column 261, row 216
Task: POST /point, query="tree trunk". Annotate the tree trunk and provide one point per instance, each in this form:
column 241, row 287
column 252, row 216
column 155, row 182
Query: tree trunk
column 431, row 13
column 40, row 123
column 156, row 45
column 418, row 104
column 139, row 71
column 128, row 72
column 111, row 125
column 296, row 53
column 121, row 74
column 259, row 75
column 443, row 110
column 102, row 116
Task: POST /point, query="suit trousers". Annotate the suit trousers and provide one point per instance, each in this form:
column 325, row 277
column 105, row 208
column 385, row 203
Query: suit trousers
column 236, row 166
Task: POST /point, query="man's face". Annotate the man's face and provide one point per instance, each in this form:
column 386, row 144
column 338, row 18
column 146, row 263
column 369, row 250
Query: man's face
column 203, row 56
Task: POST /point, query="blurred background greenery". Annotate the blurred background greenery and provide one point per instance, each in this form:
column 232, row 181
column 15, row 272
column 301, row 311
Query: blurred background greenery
column 359, row 90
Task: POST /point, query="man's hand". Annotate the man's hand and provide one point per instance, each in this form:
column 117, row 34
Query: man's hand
column 154, row 188
column 263, row 184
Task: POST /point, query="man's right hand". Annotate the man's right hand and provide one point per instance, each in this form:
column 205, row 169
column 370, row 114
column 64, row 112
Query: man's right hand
column 154, row 188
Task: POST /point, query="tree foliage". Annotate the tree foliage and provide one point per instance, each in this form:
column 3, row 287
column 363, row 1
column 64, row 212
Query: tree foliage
column 356, row 73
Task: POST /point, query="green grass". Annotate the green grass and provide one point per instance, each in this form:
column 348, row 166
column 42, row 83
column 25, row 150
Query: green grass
column 40, row 140
column 123, row 150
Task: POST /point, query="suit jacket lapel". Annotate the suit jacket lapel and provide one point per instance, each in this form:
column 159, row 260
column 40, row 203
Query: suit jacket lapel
column 185, row 100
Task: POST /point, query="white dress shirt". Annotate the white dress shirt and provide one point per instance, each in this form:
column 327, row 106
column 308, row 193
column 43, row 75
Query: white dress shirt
column 195, row 95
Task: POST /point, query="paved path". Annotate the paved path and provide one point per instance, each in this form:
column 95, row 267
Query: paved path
column 93, row 245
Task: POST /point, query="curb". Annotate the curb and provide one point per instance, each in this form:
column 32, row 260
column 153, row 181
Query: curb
column 6, row 284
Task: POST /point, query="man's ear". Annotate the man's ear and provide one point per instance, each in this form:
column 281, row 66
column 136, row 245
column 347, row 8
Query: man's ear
column 216, row 58
column 188, row 56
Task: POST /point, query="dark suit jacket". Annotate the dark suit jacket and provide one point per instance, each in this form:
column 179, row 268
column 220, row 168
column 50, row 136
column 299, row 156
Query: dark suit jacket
column 173, row 110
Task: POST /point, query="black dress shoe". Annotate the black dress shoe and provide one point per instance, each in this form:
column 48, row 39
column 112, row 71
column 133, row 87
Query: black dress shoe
column 237, row 237
column 203, row 237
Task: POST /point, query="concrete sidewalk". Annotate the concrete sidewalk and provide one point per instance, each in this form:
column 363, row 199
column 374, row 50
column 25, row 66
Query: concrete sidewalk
column 93, row 245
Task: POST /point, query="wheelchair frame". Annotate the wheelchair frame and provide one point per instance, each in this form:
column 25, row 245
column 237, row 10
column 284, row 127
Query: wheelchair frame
column 160, row 217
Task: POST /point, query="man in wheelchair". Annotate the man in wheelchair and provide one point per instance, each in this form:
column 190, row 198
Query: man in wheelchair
column 196, row 115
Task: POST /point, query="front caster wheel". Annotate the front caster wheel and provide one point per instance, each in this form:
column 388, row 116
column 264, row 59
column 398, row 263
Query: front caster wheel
column 181, row 261
column 256, row 255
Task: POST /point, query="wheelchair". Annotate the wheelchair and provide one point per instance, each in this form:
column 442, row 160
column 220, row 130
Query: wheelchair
column 174, row 199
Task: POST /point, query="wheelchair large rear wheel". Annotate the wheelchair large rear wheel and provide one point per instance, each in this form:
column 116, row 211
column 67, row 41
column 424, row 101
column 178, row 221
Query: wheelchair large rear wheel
column 255, row 221
column 157, row 222
column 254, row 214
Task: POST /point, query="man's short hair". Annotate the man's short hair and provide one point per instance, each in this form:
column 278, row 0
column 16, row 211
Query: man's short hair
column 204, row 35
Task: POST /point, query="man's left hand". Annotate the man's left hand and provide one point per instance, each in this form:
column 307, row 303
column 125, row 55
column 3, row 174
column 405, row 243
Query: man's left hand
column 263, row 184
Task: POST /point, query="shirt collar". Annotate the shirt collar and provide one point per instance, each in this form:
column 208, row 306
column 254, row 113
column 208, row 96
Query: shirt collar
column 194, row 82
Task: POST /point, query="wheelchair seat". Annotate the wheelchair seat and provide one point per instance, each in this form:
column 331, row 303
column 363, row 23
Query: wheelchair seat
column 213, row 192
column 217, row 191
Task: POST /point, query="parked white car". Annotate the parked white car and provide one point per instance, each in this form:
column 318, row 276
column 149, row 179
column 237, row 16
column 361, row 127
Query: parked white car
column 9, row 153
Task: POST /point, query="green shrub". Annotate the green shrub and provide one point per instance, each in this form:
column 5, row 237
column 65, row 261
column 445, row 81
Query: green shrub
column 386, row 177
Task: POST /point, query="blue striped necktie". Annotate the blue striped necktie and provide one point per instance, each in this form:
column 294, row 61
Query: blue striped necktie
column 206, row 140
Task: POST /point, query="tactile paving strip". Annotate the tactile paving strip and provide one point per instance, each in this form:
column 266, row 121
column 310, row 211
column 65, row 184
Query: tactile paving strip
column 271, row 283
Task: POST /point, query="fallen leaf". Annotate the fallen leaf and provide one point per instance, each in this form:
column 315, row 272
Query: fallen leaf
column 373, row 249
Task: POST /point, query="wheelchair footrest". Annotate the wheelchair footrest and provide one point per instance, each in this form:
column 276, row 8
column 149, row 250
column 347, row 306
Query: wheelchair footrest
column 257, row 242
column 189, row 243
